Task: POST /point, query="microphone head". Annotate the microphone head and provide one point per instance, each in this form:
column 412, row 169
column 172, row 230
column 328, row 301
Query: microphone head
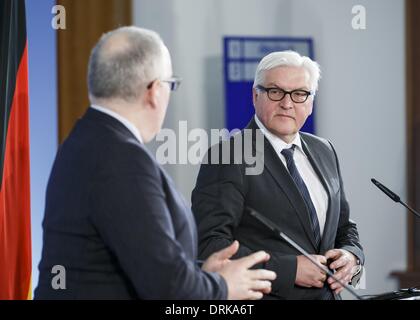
column 385, row 190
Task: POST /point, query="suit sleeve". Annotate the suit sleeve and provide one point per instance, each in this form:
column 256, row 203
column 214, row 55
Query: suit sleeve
column 130, row 212
column 218, row 202
column 347, row 235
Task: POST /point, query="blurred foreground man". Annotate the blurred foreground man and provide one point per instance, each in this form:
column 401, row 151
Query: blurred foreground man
column 113, row 219
column 300, row 189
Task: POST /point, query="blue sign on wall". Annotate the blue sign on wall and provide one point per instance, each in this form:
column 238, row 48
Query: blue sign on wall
column 241, row 57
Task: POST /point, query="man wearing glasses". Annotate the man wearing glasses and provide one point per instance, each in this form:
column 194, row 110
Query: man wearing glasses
column 300, row 189
column 113, row 219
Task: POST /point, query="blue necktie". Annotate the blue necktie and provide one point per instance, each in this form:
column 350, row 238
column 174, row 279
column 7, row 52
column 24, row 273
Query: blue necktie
column 288, row 154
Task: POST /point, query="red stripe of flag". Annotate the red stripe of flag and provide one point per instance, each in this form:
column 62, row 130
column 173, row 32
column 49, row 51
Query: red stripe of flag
column 15, row 231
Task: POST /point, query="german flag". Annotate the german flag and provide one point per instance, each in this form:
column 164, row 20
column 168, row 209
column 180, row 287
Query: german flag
column 15, row 232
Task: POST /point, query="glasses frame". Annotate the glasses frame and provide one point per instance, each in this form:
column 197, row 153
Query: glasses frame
column 290, row 93
column 174, row 83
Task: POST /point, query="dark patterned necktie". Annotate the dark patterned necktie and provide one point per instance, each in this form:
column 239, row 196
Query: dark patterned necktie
column 288, row 154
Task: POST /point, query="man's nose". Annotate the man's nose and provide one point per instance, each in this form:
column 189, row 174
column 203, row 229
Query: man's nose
column 286, row 102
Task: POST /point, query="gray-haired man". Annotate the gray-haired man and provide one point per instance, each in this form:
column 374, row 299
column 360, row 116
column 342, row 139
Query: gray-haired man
column 300, row 189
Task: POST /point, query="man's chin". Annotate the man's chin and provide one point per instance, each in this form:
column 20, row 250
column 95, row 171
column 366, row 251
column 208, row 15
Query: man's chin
column 283, row 132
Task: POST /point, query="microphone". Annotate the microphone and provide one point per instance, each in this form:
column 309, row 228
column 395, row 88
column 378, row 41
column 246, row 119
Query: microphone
column 273, row 227
column 393, row 196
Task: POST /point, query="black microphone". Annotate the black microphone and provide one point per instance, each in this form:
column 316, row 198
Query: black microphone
column 393, row 196
column 273, row 227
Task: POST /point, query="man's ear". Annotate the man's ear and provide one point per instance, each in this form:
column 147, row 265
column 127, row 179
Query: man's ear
column 311, row 108
column 151, row 95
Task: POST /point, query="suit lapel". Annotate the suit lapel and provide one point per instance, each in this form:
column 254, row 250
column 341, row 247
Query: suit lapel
column 282, row 177
column 317, row 164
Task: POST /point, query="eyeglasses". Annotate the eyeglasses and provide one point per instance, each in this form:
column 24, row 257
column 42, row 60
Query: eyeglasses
column 277, row 94
column 174, row 82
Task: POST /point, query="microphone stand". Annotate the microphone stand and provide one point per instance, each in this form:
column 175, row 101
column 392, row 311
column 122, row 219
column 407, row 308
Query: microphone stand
column 272, row 226
column 394, row 196
column 402, row 293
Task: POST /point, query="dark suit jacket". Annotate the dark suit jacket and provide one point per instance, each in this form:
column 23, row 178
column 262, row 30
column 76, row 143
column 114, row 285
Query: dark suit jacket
column 116, row 223
column 224, row 190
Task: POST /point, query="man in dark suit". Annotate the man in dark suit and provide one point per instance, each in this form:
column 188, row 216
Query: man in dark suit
column 113, row 220
column 300, row 188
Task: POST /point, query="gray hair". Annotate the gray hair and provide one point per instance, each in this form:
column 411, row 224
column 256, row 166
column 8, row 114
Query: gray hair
column 288, row 59
column 123, row 62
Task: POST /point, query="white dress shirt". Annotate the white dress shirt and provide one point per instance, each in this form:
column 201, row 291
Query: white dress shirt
column 121, row 119
column 316, row 190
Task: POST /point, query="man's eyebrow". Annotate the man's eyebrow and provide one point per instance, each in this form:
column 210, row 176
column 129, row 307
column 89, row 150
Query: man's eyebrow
column 272, row 84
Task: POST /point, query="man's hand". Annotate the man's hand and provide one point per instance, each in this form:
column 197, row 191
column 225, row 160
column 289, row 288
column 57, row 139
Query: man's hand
column 345, row 264
column 309, row 275
column 242, row 283
column 219, row 259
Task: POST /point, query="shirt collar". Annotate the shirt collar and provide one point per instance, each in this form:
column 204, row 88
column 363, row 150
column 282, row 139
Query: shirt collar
column 277, row 142
column 130, row 126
